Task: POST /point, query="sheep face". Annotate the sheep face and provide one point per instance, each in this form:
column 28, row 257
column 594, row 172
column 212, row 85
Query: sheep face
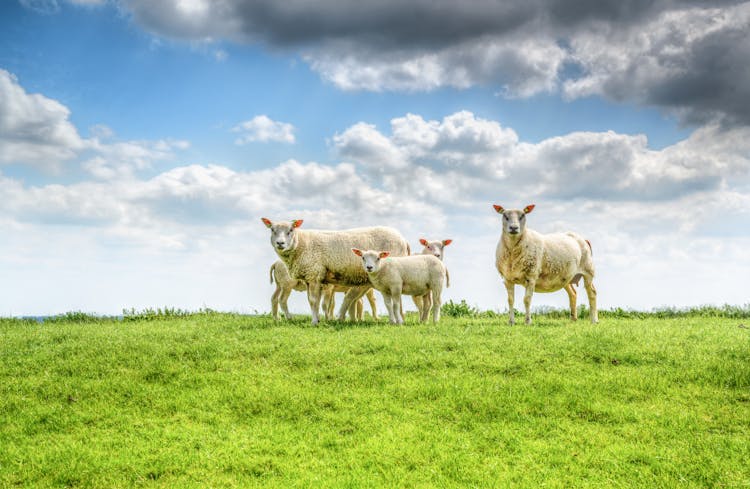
column 371, row 259
column 514, row 220
column 283, row 235
column 435, row 248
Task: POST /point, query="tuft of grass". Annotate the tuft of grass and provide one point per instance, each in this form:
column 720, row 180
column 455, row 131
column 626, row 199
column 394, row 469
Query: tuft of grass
column 225, row 400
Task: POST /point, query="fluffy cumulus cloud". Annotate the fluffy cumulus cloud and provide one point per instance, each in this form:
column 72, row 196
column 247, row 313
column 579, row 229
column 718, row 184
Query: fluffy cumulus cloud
column 687, row 57
column 263, row 129
column 34, row 129
column 463, row 153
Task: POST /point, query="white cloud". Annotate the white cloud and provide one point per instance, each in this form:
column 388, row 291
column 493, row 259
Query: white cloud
column 263, row 129
column 34, row 129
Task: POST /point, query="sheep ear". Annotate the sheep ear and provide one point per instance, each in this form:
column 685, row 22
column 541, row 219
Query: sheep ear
column 423, row 241
column 357, row 252
column 384, row 254
column 528, row 208
column 267, row 222
column 498, row 208
column 446, row 242
column 297, row 223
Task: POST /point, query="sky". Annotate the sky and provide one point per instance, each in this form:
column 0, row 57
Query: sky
column 141, row 142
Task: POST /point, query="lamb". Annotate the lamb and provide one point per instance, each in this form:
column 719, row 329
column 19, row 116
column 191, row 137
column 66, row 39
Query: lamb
column 542, row 262
column 437, row 249
column 415, row 275
column 285, row 284
column 324, row 257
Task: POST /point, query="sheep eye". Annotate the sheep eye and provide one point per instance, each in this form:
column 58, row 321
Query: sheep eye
column 505, row 217
column 522, row 216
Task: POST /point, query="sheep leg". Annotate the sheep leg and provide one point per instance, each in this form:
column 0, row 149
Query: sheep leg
column 436, row 302
column 373, row 305
column 419, row 302
column 351, row 296
column 360, row 310
column 329, row 301
column 427, row 304
column 396, row 298
column 511, row 289
column 572, row 300
column 353, row 310
column 314, row 290
column 284, row 297
column 588, row 282
column 275, row 303
column 390, row 306
column 527, row 299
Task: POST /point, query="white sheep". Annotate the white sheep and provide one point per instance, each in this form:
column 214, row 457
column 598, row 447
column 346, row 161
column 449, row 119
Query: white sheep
column 414, row 275
column 435, row 248
column 542, row 262
column 325, row 257
column 285, row 284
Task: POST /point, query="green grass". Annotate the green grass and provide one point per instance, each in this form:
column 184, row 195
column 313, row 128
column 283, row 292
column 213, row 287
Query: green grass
column 221, row 400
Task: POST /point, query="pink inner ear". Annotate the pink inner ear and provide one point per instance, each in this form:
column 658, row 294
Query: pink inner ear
column 423, row 241
column 498, row 208
column 357, row 252
column 447, row 242
column 529, row 208
column 297, row 223
column 266, row 222
column 384, row 254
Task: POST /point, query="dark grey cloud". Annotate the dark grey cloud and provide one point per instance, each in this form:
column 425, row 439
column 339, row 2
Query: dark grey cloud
column 695, row 67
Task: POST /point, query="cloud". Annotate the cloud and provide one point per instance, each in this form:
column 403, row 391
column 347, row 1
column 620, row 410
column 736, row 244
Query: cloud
column 691, row 62
column 685, row 57
column 263, row 129
column 34, row 129
column 441, row 160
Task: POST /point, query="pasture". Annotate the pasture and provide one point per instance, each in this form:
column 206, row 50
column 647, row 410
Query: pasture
column 223, row 400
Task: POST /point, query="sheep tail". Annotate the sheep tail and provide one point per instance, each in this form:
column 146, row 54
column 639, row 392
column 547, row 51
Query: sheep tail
column 590, row 248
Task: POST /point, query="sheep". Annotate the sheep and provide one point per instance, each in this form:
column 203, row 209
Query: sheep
column 324, row 257
column 414, row 275
column 285, row 284
column 437, row 249
column 542, row 262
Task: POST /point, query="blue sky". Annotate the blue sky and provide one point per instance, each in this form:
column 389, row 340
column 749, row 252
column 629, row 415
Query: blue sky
column 126, row 182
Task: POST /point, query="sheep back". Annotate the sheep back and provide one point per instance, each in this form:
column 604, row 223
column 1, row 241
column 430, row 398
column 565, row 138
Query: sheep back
column 326, row 256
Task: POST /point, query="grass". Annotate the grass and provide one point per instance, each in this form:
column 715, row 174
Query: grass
column 222, row 400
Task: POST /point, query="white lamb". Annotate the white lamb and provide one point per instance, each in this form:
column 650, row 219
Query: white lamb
column 414, row 275
column 437, row 249
column 325, row 257
column 542, row 262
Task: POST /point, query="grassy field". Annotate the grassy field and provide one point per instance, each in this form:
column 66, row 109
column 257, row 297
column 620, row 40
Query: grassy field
column 221, row 400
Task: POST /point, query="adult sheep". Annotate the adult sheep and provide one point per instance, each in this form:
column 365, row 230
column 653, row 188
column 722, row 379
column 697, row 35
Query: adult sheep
column 542, row 262
column 325, row 257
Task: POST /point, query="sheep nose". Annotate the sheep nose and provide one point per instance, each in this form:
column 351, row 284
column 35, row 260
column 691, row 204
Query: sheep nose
column 279, row 243
column 369, row 268
column 513, row 229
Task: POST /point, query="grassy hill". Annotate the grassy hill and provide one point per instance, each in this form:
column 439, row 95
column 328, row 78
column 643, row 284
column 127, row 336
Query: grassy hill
column 222, row 400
